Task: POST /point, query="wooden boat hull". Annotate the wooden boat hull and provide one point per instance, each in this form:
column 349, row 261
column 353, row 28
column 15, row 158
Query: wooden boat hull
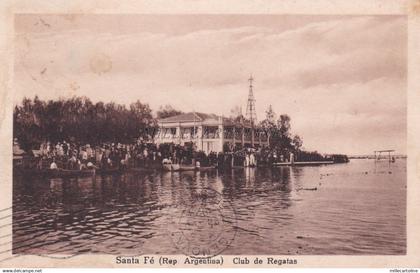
column 60, row 173
column 177, row 168
column 109, row 171
column 303, row 163
column 142, row 170
column 205, row 168
column 186, row 168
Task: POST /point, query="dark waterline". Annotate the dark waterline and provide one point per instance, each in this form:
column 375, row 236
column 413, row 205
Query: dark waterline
column 357, row 208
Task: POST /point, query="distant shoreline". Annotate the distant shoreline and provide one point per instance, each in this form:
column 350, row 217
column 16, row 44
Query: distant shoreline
column 373, row 157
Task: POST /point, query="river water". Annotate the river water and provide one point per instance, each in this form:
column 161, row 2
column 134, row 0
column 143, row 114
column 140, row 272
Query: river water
column 358, row 208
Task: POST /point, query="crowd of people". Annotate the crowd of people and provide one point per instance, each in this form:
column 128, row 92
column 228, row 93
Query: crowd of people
column 75, row 156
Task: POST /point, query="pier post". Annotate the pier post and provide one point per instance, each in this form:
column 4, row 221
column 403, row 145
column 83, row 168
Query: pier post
column 243, row 136
column 234, row 136
column 162, row 133
column 200, row 137
column 178, row 133
column 221, row 133
column 252, row 135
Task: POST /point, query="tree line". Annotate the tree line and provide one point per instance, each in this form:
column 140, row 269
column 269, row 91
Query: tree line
column 78, row 119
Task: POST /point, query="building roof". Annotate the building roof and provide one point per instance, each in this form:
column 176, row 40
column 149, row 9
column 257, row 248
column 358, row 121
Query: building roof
column 203, row 118
column 190, row 117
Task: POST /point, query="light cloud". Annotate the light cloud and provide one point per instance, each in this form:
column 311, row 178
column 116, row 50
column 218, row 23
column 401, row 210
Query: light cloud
column 341, row 79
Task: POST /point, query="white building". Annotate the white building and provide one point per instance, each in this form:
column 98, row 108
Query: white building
column 209, row 132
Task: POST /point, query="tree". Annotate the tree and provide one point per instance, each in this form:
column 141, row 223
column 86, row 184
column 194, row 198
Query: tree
column 167, row 111
column 283, row 124
column 78, row 119
column 143, row 122
column 270, row 114
column 284, row 141
column 297, row 143
column 269, row 123
column 26, row 125
column 236, row 112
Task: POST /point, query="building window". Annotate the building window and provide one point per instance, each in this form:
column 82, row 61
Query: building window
column 238, row 133
column 211, row 132
column 248, row 134
column 228, row 132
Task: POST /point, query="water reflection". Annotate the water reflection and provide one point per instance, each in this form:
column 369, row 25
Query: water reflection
column 131, row 213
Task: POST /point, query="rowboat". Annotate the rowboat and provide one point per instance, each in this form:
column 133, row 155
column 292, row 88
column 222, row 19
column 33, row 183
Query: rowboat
column 142, row 170
column 205, row 168
column 74, row 173
column 183, row 168
column 177, row 167
column 57, row 173
column 109, row 171
column 303, row 163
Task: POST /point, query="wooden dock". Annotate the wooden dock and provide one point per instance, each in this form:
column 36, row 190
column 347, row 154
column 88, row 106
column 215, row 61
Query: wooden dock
column 309, row 163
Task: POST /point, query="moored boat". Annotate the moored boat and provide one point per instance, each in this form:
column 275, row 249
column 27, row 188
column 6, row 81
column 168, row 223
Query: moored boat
column 205, row 168
column 109, row 171
column 183, row 168
column 57, row 173
column 142, row 170
column 177, row 167
column 302, row 163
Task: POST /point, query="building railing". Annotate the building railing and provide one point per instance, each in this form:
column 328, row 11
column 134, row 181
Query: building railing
column 213, row 132
column 228, row 133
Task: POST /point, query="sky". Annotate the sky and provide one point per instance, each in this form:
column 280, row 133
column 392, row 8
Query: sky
column 341, row 79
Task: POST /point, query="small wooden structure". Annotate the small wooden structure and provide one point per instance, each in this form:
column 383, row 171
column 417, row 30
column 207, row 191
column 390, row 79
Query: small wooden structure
column 378, row 154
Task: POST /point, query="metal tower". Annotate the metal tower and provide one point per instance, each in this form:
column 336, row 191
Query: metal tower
column 251, row 113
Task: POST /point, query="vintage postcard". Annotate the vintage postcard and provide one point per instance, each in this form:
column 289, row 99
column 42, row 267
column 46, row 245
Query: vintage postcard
column 210, row 134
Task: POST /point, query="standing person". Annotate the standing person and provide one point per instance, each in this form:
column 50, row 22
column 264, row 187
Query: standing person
column 246, row 159
column 65, row 148
column 89, row 151
column 73, row 162
column 252, row 160
column 220, row 160
column 61, row 150
column 44, row 149
column 127, row 159
column 145, row 156
column 49, row 149
column 53, row 165
column 232, row 159
column 158, row 156
column 84, row 156
column 292, row 158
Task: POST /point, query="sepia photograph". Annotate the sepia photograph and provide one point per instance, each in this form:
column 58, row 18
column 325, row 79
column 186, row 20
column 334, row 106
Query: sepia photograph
column 209, row 134
column 144, row 135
